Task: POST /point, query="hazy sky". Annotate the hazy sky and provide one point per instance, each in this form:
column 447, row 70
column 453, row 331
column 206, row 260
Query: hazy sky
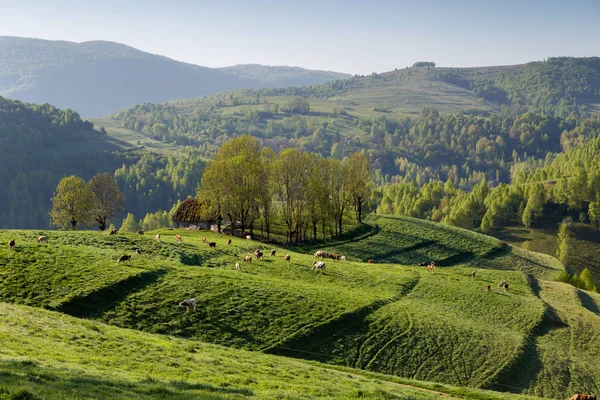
column 342, row 35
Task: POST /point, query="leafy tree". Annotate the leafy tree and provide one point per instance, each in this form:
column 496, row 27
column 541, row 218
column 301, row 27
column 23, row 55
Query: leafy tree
column 358, row 171
column 72, row 204
column 129, row 224
column 232, row 180
column 157, row 220
column 297, row 105
column 108, row 198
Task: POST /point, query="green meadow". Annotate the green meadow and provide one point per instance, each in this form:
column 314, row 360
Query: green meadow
column 380, row 324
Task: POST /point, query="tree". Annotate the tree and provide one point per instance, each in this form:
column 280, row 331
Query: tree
column 232, row 180
column 290, row 176
column 563, row 241
column 535, row 204
column 587, row 281
column 129, row 224
column 360, row 183
column 72, row 204
column 108, row 198
column 297, row 105
column 159, row 219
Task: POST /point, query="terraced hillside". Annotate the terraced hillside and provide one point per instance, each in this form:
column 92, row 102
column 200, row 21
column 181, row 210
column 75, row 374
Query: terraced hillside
column 389, row 317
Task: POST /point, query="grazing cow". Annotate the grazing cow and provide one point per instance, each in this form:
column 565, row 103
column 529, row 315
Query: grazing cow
column 273, row 252
column 422, row 264
column 247, row 259
column 371, row 261
column 43, row 238
column 113, row 232
column 343, row 258
column 335, row 257
column 140, row 232
column 123, row 258
column 228, row 242
column 237, row 266
column 582, row 397
column 431, row 267
column 287, row 258
column 138, row 252
column 11, row 244
column 320, row 254
column 203, row 240
column 506, row 287
column 188, row 303
column 258, row 254
column 158, row 237
column 473, row 275
column 318, row 266
column 178, row 238
column 212, row 244
column 488, row 288
column 501, row 284
column 248, row 237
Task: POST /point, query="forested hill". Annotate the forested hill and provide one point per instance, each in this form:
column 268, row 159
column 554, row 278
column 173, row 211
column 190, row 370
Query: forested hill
column 281, row 76
column 99, row 78
column 40, row 144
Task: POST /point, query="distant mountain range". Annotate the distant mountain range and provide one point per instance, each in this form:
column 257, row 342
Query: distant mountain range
column 99, row 78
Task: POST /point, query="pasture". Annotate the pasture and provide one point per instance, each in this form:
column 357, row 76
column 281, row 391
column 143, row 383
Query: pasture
column 388, row 317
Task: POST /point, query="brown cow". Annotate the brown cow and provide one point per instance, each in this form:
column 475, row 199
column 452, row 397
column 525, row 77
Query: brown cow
column 247, row 259
column 123, row 258
column 228, row 242
column 287, row 258
column 113, row 232
column 582, row 397
column 335, row 257
column 11, row 244
column 140, row 232
column 320, row 254
column 178, row 238
column 212, row 244
column 431, row 267
column 42, row 238
column 371, row 261
column 258, row 254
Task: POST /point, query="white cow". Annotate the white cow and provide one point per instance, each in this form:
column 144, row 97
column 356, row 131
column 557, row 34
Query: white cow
column 318, row 265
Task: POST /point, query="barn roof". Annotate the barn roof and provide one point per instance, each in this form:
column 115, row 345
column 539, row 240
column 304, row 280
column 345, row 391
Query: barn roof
column 190, row 211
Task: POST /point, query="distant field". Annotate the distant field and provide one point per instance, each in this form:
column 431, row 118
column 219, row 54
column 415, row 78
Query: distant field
column 131, row 140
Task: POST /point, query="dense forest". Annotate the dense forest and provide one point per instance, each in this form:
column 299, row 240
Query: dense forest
column 40, row 144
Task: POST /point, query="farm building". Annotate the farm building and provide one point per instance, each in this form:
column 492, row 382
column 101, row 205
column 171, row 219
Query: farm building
column 191, row 212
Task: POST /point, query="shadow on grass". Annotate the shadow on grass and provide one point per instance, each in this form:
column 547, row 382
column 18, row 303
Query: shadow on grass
column 511, row 378
column 588, row 302
column 94, row 304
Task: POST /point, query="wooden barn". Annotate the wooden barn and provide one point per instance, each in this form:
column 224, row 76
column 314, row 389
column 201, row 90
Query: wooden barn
column 191, row 213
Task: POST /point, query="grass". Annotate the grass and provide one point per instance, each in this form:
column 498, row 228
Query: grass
column 46, row 355
column 128, row 139
column 391, row 317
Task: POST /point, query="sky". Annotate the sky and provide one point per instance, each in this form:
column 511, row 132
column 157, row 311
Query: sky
column 352, row 36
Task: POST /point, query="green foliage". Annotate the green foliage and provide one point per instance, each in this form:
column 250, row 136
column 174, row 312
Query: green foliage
column 108, row 198
column 157, row 220
column 129, row 224
column 73, row 203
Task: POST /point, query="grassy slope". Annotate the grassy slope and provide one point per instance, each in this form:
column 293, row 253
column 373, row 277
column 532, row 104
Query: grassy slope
column 381, row 317
column 128, row 139
column 52, row 356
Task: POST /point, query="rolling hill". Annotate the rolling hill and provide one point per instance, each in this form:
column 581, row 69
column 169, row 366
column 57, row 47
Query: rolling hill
column 99, row 78
column 388, row 317
column 281, row 75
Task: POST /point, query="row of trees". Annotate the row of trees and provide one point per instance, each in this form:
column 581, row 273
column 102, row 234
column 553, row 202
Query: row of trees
column 248, row 184
column 76, row 202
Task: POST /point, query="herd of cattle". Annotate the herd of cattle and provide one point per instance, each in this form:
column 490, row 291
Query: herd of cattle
column 258, row 255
